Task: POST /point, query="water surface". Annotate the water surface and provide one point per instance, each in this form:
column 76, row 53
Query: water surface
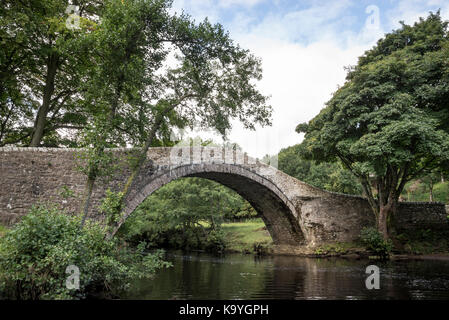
column 237, row 276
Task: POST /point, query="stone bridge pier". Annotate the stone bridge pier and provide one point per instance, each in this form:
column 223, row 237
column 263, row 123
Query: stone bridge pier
column 295, row 213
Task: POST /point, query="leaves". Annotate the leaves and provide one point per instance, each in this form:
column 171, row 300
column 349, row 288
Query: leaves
column 328, row 176
column 187, row 206
column 35, row 253
column 388, row 123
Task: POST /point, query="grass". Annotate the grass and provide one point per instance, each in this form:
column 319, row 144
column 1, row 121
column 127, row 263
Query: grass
column 338, row 248
column 249, row 237
column 418, row 191
column 3, row 230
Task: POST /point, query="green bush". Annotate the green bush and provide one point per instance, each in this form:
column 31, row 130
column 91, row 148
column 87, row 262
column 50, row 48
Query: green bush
column 215, row 241
column 187, row 238
column 111, row 206
column 35, row 253
column 374, row 242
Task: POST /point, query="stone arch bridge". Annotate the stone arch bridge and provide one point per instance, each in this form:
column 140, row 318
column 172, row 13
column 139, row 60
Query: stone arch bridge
column 295, row 213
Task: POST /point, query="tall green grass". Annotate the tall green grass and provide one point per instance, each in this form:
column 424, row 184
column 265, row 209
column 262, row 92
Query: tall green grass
column 245, row 236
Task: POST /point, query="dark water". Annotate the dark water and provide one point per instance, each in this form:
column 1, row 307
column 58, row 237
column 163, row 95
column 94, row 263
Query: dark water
column 236, row 276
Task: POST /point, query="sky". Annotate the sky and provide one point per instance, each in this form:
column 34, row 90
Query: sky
column 304, row 46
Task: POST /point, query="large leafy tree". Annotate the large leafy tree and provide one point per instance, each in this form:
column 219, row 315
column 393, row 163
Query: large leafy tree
column 388, row 123
column 187, row 207
column 188, row 201
column 132, row 71
column 154, row 70
column 41, row 66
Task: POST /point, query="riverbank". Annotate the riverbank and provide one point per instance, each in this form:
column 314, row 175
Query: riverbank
column 350, row 251
column 252, row 237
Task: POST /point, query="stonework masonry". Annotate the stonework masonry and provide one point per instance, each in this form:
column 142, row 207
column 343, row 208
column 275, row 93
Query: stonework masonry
column 294, row 212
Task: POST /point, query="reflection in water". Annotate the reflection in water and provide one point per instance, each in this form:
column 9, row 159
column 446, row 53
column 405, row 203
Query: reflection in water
column 235, row 276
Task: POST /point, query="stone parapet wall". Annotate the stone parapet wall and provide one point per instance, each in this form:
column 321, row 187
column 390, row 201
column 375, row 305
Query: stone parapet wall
column 28, row 177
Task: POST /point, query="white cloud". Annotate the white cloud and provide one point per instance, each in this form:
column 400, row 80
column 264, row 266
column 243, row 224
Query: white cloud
column 201, row 9
column 198, row 9
column 308, row 24
column 303, row 54
column 245, row 3
column 300, row 79
column 410, row 11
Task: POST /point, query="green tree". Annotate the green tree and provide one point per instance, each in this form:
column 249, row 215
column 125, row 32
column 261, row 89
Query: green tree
column 41, row 67
column 291, row 162
column 430, row 179
column 130, row 72
column 127, row 49
column 328, row 176
column 388, row 123
column 191, row 207
column 137, row 93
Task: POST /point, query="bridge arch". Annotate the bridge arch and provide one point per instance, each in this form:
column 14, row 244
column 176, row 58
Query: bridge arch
column 294, row 212
column 277, row 211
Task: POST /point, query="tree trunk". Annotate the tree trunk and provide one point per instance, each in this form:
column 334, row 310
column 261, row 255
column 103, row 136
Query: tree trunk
column 89, row 189
column 4, row 123
column 141, row 159
column 385, row 221
column 370, row 197
column 93, row 170
column 431, row 192
column 41, row 118
column 382, row 221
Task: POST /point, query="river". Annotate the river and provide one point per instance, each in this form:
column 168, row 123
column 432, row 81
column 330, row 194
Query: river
column 238, row 276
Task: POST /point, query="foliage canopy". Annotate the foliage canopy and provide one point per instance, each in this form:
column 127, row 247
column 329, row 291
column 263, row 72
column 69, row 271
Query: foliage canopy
column 389, row 122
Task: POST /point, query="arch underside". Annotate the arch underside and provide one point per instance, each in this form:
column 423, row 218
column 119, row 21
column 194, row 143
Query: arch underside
column 273, row 206
column 277, row 216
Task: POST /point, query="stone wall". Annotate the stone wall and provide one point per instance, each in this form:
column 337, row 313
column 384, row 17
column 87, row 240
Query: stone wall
column 30, row 176
column 336, row 218
column 37, row 175
column 413, row 216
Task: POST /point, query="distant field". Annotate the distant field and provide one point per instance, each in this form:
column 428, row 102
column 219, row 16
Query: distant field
column 245, row 236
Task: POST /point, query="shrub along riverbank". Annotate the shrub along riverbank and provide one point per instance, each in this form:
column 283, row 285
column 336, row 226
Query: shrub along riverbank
column 250, row 236
column 35, row 254
column 405, row 245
